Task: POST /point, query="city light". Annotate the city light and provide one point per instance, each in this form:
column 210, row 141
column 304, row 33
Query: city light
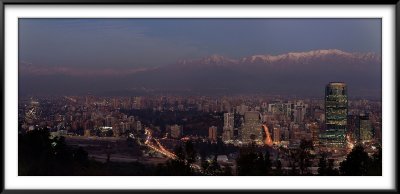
column 226, row 125
column 268, row 140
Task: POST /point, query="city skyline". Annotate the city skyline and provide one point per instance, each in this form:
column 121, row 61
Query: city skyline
column 200, row 97
column 202, row 135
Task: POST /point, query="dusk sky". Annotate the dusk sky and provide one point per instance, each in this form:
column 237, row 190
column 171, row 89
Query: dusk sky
column 153, row 42
column 76, row 47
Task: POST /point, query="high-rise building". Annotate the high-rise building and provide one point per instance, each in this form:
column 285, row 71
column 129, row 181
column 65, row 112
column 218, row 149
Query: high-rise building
column 227, row 134
column 314, row 129
column 365, row 128
column 251, row 129
column 299, row 111
column 242, row 109
column 336, row 107
column 212, row 133
column 277, row 134
column 176, row 131
column 110, row 121
column 286, row 133
column 124, row 126
column 228, row 120
column 353, row 126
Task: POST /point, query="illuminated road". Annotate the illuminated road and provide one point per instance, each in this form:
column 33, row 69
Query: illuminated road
column 268, row 140
column 161, row 149
column 350, row 144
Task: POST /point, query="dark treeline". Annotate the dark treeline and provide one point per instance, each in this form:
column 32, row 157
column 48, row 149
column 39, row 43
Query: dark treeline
column 38, row 154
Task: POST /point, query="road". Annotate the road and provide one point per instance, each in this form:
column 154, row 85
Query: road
column 155, row 145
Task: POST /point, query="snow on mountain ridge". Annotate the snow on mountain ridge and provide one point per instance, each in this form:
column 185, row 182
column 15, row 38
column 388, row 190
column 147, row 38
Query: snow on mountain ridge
column 211, row 60
column 289, row 57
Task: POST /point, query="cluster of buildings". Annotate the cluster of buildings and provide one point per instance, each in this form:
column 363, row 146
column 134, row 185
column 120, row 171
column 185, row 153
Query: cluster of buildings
column 70, row 116
column 278, row 123
column 333, row 122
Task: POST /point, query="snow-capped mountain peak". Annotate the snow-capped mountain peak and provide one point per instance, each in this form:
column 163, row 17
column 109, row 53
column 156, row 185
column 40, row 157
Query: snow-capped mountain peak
column 291, row 57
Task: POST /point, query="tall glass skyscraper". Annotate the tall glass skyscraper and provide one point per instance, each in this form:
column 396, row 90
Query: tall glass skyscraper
column 336, row 106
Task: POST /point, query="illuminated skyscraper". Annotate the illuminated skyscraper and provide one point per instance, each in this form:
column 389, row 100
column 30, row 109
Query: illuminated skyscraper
column 365, row 128
column 228, row 120
column 353, row 126
column 299, row 111
column 227, row 134
column 251, row 129
column 335, row 115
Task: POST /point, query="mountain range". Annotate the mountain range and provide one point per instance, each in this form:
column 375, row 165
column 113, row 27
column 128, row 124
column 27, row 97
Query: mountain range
column 294, row 73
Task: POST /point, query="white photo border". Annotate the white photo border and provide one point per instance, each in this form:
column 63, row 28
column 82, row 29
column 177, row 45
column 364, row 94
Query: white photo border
column 13, row 12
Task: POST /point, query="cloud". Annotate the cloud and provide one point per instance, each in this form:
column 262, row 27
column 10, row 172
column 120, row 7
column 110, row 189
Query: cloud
column 26, row 68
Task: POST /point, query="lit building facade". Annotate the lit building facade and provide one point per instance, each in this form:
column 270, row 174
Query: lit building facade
column 353, row 126
column 277, row 134
column 365, row 128
column 252, row 128
column 336, row 109
column 227, row 134
column 314, row 129
column 212, row 133
column 176, row 131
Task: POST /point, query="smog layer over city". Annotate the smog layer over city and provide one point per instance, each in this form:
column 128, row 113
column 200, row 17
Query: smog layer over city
column 200, row 97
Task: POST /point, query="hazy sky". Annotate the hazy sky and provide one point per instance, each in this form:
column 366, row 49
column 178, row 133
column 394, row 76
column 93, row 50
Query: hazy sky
column 152, row 42
column 112, row 55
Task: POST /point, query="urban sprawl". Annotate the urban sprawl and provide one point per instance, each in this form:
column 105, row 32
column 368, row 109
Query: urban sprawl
column 148, row 129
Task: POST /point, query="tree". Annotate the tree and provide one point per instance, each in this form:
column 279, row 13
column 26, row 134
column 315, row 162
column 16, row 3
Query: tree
column 40, row 155
column 357, row 162
column 205, row 166
column 267, row 162
column 246, row 164
column 109, row 133
column 278, row 170
column 305, row 156
column 375, row 168
column 214, row 167
column 252, row 163
column 191, row 153
column 331, row 171
column 35, row 153
column 227, row 171
column 178, row 168
column 293, row 160
column 182, row 165
column 260, row 168
column 81, row 156
column 180, row 153
column 220, row 145
column 322, row 166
